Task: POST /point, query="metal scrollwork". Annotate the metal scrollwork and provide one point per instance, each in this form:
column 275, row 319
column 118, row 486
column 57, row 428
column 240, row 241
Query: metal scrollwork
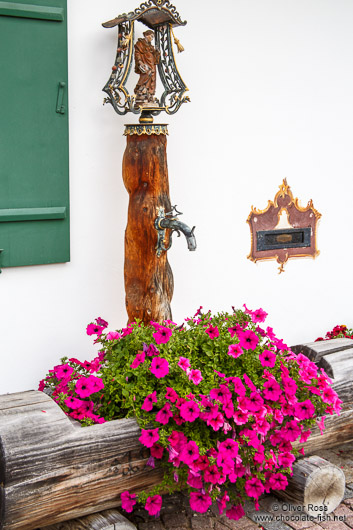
column 118, row 94
column 160, row 16
column 174, row 87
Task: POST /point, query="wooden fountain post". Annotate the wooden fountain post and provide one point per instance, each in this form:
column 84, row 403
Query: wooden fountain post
column 148, row 278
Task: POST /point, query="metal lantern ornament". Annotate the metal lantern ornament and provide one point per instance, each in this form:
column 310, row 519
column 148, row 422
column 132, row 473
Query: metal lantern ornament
column 151, row 217
column 160, row 17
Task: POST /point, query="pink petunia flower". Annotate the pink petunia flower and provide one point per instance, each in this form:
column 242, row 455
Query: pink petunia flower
column 268, row 358
column 272, row 390
column 278, row 481
column 86, row 386
column 189, row 411
column 254, row 487
column 240, row 417
column 63, row 371
column 159, row 367
column 127, row 331
column 259, row 315
column 291, row 431
column 211, row 474
column 73, row 403
column 248, row 339
column 229, row 448
column 234, row 350
column 304, row 410
column 221, row 394
column 128, row 500
column 139, row 359
column 200, row 502
column 153, row 505
column 286, row 459
column 239, row 388
column 94, row 329
column 113, row 335
column 157, row 451
column 235, row 513
column 149, row 437
column 222, row 503
column 194, row 481
column 189, row 453
column 253, row 403
column 171, row 394
column 164, row 415
column 162, row 335
column 184, row 363
column 212, row 332
column 149, row 400
column 195, row 376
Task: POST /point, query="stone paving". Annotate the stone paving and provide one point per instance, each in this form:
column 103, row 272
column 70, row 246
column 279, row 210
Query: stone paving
column 273, row 514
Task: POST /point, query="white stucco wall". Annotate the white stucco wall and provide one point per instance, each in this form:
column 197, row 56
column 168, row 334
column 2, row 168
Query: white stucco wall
column 271, row 84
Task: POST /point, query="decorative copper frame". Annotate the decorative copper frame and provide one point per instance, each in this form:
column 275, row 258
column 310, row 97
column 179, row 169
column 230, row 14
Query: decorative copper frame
column 269, row 220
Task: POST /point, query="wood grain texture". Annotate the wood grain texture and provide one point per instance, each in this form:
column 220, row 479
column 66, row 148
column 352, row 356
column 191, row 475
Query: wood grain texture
column 336, row 358
column 315, row 483
column 106, row 520
column 338, row 430
column 51, row 471
column 148, row 279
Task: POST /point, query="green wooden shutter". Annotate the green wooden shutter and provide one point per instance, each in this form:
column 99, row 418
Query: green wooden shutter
column 34, row 155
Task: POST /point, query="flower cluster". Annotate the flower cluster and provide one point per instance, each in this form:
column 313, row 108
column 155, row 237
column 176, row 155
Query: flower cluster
column 73, row 385
column 220, row 402
column 338, row 332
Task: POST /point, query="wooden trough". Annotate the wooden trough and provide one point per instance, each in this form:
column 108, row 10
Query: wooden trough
column 52, row 470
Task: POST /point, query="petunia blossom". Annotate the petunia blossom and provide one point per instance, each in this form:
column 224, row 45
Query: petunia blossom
column 159, row 367
column 212, row 332
column 94, row 329
column 128, row 500
column 149, row 400
column 234, row 350
column 149, row 437
column 259, row 315
column 189, row 411
column 195, row 376
column 254, row 487
column 162, row 335
column 73, row 403
column 184, row 363
column 200, row 502
column 268, row 358
column 63, row 371
column 171, row 394
column 164, row 414
column 304, row 410
column 113, row 335
column 153, row 505
column 139, row 359
column 235, row 512
column 222, row 503
column 189, row 453
column 248, row 339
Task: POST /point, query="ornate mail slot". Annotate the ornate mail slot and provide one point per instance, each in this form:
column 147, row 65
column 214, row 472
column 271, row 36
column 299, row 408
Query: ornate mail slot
column 290, row 238
column 284, row 229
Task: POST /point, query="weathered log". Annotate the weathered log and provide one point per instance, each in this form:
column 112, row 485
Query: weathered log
column 336, row 358
column 52, row 471
column 148, row 279
column 338, row 430
column 316, row 485
column 107, row 520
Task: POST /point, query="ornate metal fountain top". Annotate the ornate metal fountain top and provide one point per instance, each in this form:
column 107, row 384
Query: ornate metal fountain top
column 151, row 13
column 160, row 16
